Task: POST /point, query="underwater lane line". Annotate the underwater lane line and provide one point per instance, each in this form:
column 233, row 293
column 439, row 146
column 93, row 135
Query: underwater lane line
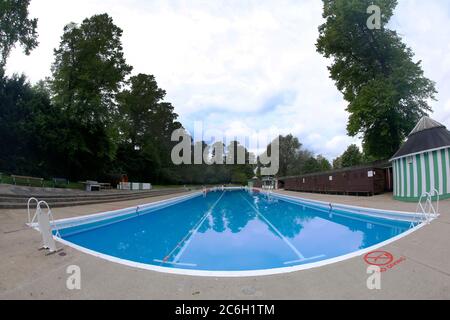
column 176, row 264
column 278, row 232
column 188, row 237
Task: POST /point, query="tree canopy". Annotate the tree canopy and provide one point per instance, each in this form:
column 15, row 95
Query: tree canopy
column 88, row 73
column 350, row 158
column 89, row 70
column 16, row 26
column 145, row 123
column 386, row 90
column 93, row 118
column 297, row 160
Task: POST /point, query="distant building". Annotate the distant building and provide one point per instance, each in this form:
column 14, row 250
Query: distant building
column 269, row 183
column 370, row 179
column 422, row 164
column 264, row 183
column 254, row 183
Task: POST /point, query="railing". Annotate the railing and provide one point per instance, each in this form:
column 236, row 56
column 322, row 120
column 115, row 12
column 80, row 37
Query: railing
column 30, row 221
column 427, row 211
column 50, row 215
column 45, row 223
column 268, row 191
column 437, row 200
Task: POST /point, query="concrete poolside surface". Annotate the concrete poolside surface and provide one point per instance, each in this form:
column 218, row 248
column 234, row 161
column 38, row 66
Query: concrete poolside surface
column 26, row 273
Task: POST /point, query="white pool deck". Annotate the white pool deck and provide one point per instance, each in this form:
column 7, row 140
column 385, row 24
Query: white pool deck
column 26, row 273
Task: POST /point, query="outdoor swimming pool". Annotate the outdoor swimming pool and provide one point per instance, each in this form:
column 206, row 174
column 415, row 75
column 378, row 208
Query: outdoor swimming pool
column 232, row 233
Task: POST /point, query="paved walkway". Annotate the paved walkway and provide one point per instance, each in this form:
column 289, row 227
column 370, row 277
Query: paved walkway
column 28, row 273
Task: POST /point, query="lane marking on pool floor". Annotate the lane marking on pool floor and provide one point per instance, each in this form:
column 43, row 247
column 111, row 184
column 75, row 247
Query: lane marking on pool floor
column 304, row 259
column 176, row 263
column 298, row 253
column 188, row 237
column 183, row 249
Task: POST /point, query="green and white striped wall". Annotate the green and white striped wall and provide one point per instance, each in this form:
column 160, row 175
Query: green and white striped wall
column 419, row 173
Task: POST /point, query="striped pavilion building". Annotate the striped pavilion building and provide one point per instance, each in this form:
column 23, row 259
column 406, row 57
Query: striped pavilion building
column 422, row 164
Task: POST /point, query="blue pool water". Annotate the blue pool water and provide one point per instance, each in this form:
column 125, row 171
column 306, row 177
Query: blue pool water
column 233, row 231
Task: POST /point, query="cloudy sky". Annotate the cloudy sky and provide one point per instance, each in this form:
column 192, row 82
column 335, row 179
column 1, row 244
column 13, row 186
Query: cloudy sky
column 243, row 66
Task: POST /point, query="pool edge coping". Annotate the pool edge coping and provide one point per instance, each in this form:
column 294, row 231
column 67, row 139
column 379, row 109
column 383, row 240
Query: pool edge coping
column 234, row 274
column 237, row 274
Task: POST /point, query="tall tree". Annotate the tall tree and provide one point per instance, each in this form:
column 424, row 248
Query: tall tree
column 311, row 166
column 143, row 113
column 385, row 89
column 27, row 128
column 337, row 163
column 90, row 69
column 146, row 124
column 289, row 150
column 296, row 160
column 88, row 72
column 323, row 162
column 241, row 169
column 351, row 157
column 16, row 26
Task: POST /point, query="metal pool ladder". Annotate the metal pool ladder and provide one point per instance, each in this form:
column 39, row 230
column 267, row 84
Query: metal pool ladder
column 45, row 221
column 427, row 211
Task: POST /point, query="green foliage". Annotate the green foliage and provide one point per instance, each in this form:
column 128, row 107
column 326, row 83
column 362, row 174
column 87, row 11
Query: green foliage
column 239, row 178
column 146, row 123
column 89, row 120
column 386, row 91
column 88, row 72
column 314, row 165
column 27, row 121
column 337, row 163
column 324, row 164
column 293, row 157
column 289, row 150
column 296, row 160
column 15, row 26
column 207, row 173
column 351, row 157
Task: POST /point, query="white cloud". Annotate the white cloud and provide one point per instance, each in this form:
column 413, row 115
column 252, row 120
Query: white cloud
column 424, row 26
column 244, row 66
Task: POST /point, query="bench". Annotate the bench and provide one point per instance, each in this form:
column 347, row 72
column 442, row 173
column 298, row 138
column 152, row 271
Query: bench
column 105, row 186
column 92, row 185
column 27, row 179
column 60, row 182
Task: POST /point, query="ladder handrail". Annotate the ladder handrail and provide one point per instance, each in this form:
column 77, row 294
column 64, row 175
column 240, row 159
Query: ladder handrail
column 422, row 211
column 30, row 221
column 428, row 211
column 434, row 190
column 50, row 214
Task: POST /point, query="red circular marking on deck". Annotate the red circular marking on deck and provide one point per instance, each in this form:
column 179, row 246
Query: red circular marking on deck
column 379, row 258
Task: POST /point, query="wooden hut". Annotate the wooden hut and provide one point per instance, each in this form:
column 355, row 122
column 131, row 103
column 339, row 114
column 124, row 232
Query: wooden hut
column 369, row 179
